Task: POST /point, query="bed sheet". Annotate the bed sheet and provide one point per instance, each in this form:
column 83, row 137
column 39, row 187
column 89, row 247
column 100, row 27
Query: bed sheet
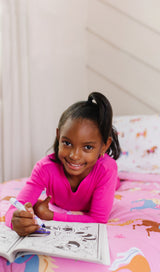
column 133, row 232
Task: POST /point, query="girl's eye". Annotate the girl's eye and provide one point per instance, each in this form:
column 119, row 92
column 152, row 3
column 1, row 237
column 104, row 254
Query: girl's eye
column 66, row 143
column 88, row 147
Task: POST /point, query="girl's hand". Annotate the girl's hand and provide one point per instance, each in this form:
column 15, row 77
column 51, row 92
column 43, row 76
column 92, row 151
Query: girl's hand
column 23, row 222
column 42, row 210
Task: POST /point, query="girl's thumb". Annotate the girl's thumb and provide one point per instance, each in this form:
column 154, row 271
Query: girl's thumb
column 47, row 200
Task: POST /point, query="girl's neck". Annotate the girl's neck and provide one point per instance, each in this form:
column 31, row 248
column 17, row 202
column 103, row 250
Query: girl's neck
column 74, row 181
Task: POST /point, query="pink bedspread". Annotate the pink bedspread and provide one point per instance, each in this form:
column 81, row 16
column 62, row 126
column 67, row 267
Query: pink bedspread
column 133, row 230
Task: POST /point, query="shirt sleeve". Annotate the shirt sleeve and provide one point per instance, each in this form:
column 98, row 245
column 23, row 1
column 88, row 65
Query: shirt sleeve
column 101, row 203
column 30, row 192
column 8, row 216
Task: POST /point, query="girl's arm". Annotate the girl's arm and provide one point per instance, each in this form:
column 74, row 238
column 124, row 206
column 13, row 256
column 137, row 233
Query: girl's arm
column 29, row 193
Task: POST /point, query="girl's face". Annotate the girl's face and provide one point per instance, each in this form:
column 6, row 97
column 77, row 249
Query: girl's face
column 80, row 145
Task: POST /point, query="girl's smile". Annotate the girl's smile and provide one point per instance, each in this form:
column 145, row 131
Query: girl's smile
column 80, row 145
column 74, row 166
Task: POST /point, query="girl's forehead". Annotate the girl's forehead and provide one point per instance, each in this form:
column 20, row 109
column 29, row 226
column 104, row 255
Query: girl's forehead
column 80, row 129
column 80, row 123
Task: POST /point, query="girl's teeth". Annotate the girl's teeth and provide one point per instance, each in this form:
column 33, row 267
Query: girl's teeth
column 75, row 164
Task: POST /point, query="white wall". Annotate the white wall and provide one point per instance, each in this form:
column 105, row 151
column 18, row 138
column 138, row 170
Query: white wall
column 44, row 60
column 57, row 48
column 76, row 47
column 124, row 53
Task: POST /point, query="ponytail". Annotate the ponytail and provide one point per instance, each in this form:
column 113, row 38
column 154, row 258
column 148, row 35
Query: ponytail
column 114, row 150
column 104, row 121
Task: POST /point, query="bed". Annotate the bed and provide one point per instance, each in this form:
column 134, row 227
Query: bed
column 134, row 223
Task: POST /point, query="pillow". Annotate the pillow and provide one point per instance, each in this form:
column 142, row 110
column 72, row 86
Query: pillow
column 139, row 138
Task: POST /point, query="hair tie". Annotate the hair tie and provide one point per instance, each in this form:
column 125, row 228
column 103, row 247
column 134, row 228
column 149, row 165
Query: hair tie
column 89, row 101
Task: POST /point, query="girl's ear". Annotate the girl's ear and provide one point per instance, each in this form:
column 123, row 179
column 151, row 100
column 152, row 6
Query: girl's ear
column 109, row 141
column 57, row 133
column 106, row 146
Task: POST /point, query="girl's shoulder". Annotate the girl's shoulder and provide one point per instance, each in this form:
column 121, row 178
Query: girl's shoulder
column 104, row 170
column 48, row 161
column 106, row 163
column 47, row 168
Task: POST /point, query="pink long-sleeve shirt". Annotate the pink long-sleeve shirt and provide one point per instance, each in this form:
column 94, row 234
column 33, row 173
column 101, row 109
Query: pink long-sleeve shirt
column 94, row 195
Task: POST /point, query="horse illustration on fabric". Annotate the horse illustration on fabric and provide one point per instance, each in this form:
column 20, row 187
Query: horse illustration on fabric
column 133, row 260
column 36, row 263
column 151, row 226
column 147, row 203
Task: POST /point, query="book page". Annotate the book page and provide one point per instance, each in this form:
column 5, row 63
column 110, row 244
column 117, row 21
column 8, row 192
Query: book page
column 8, row 238
column 69, row 240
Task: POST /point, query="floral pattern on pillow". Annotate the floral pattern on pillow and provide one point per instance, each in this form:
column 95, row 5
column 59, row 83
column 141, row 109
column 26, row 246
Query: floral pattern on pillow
column 139, row 138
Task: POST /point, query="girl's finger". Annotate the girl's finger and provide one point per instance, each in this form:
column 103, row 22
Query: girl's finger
column 22, row 214
column 28, row 230
column 47, row 199
column 23, row 222
column 29, row 208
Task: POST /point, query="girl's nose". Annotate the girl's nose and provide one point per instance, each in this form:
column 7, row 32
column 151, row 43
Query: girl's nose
column 74, row 154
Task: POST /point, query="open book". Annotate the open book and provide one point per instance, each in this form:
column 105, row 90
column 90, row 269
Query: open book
column 80, row 241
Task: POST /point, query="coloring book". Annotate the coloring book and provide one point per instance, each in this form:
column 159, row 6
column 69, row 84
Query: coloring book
column 80, row 241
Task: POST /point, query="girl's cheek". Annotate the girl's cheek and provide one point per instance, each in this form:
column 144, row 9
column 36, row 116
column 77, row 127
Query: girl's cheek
column 61, row 152
column 59, row 149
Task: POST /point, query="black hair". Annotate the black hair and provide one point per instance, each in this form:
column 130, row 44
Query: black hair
column 98, row 109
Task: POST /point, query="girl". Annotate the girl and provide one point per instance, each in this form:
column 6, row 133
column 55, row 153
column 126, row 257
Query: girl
column 81, row 176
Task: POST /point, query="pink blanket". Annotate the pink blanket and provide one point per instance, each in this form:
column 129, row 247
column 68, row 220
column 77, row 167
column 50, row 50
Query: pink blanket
column 133, row 230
